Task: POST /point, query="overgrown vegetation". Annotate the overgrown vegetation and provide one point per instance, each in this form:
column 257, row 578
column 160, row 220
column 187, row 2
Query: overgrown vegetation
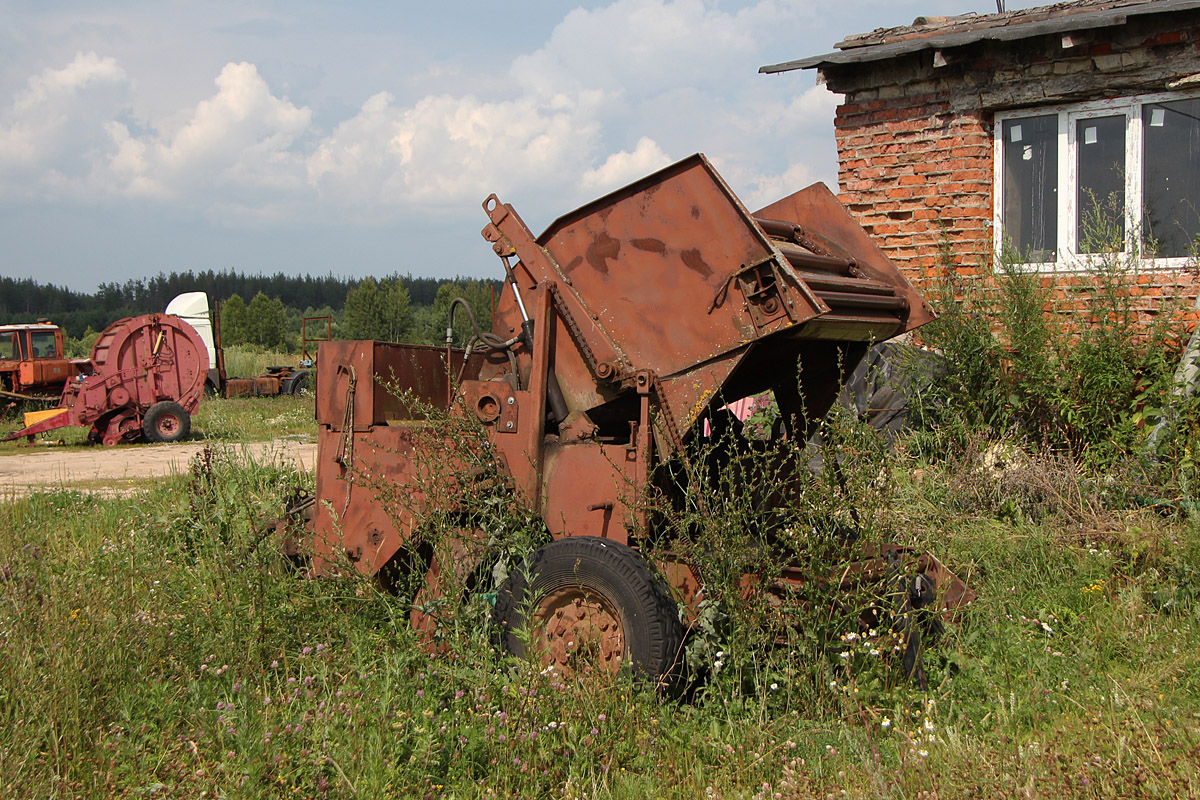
column 1081, row 365
column 159, row 645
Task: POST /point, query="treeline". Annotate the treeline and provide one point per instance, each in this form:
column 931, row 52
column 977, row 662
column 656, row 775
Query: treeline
column 263, row 310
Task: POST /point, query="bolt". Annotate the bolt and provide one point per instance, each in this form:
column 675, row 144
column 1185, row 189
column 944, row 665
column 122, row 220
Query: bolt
column 512, row 400
column 508, row 425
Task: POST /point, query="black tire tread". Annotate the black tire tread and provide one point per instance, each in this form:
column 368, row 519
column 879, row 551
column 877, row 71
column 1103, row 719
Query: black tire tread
column 653, row 633
column 150, row 421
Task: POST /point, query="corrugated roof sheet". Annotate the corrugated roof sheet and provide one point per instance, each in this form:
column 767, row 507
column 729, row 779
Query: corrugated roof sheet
column 940, row 33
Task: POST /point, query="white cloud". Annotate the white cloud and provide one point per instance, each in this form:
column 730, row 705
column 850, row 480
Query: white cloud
column 240, row 139
column 603, row 102
column 625, row 167
column 49, row 129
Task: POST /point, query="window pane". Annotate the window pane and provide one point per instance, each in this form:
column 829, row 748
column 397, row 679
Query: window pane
column 1100, row 154
column 1171, row 177
column 1031, row 186
column 8, row 346
column 43, row 344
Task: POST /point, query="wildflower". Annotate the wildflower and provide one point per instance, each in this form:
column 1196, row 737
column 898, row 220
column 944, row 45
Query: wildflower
column 923, row 753
column 1046, row 627
column 928, row 724
column 774, row 687
column 886, row 723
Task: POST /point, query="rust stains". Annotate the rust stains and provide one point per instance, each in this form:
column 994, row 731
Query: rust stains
column 602, row 249
column 693, row 260
column 650, row 245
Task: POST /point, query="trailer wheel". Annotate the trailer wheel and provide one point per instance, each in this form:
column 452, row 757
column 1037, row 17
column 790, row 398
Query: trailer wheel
column 299, row 384
column 585, row 602
column 166, row 422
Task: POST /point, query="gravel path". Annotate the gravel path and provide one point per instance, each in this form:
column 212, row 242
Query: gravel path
column 112, row 470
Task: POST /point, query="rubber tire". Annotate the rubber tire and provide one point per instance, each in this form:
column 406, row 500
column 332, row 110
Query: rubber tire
column 298, row 384
column 649, row 617
column 162, row 412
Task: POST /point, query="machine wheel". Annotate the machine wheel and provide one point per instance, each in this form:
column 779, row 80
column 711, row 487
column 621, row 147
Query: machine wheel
column 166, row 422
column 587, row 602
column 299, row 384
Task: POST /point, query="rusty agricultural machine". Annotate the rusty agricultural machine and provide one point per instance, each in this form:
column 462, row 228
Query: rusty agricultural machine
column 621, row 329
column 33, row 362
column 145, row 379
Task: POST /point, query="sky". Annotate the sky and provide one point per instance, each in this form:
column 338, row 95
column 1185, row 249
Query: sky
column 360, row 138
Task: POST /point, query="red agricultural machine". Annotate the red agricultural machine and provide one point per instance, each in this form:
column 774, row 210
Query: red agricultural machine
column 622, row 329
column 145, row 380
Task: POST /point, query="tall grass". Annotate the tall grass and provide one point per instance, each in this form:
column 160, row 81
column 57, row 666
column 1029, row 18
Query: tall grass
column 159, row 646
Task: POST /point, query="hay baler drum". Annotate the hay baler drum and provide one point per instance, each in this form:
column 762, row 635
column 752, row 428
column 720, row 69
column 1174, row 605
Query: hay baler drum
column 151, row 363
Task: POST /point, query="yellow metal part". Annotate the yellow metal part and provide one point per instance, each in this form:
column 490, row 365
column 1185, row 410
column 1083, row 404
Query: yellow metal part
column 34, row 417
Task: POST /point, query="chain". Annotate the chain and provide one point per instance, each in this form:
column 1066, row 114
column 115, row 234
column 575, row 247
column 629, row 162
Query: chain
column 573, row 328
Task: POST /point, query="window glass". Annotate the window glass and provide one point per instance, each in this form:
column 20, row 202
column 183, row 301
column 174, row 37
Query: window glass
column 8, row 346
column 1171, row 177
column 1100, row 165
column 1031, row 186
column 43, row 344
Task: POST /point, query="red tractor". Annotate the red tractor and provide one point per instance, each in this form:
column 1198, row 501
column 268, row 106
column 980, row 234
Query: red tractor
column 33, row 365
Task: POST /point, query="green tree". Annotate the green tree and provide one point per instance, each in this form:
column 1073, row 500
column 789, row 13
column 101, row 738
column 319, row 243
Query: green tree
column 266, row 321
column 234, row 321
column 478, row 295
column 377, row 310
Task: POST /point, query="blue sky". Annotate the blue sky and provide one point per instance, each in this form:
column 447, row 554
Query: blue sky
column 360, row 138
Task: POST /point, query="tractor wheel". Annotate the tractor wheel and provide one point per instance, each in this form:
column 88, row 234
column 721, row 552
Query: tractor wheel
column 166, row 422
column 584, row 602
column 299, row 385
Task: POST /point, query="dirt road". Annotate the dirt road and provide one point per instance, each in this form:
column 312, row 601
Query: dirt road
column 114, row 470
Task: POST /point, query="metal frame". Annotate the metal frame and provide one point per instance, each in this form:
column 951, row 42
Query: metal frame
column 1068, row 259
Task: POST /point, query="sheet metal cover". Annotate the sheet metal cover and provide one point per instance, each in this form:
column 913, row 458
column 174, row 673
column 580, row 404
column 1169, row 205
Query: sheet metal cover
column 647, row 262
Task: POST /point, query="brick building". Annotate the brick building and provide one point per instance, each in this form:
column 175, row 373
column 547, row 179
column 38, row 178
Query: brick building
column 1033, row 126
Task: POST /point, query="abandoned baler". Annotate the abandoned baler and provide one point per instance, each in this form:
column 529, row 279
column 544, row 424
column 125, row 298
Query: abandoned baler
column 621, row 329
column 144, row 381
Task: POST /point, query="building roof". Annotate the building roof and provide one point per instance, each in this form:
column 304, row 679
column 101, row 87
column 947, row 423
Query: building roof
column 940, row 33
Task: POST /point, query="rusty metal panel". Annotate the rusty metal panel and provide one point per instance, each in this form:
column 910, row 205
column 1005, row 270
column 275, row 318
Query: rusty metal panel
column 252, row 387
column 588, row 490
column 826, row 221
column 384, row 372
column 354, row 522
column 655, row 264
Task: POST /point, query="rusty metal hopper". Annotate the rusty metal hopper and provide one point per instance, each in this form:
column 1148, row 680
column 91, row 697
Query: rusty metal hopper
column 672, row 275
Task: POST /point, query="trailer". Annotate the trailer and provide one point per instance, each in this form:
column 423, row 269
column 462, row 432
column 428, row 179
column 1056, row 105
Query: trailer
column 621, row 332
column 276, row 380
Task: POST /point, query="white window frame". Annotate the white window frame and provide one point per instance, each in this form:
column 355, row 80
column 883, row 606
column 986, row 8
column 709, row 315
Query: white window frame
column 1067, row 259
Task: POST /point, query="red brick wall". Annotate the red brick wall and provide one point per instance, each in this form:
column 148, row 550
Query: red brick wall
column 915, row 145
column 919, row 179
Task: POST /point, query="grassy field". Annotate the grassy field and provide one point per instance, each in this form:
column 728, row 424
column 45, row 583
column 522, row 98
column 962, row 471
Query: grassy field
column 156, row 646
